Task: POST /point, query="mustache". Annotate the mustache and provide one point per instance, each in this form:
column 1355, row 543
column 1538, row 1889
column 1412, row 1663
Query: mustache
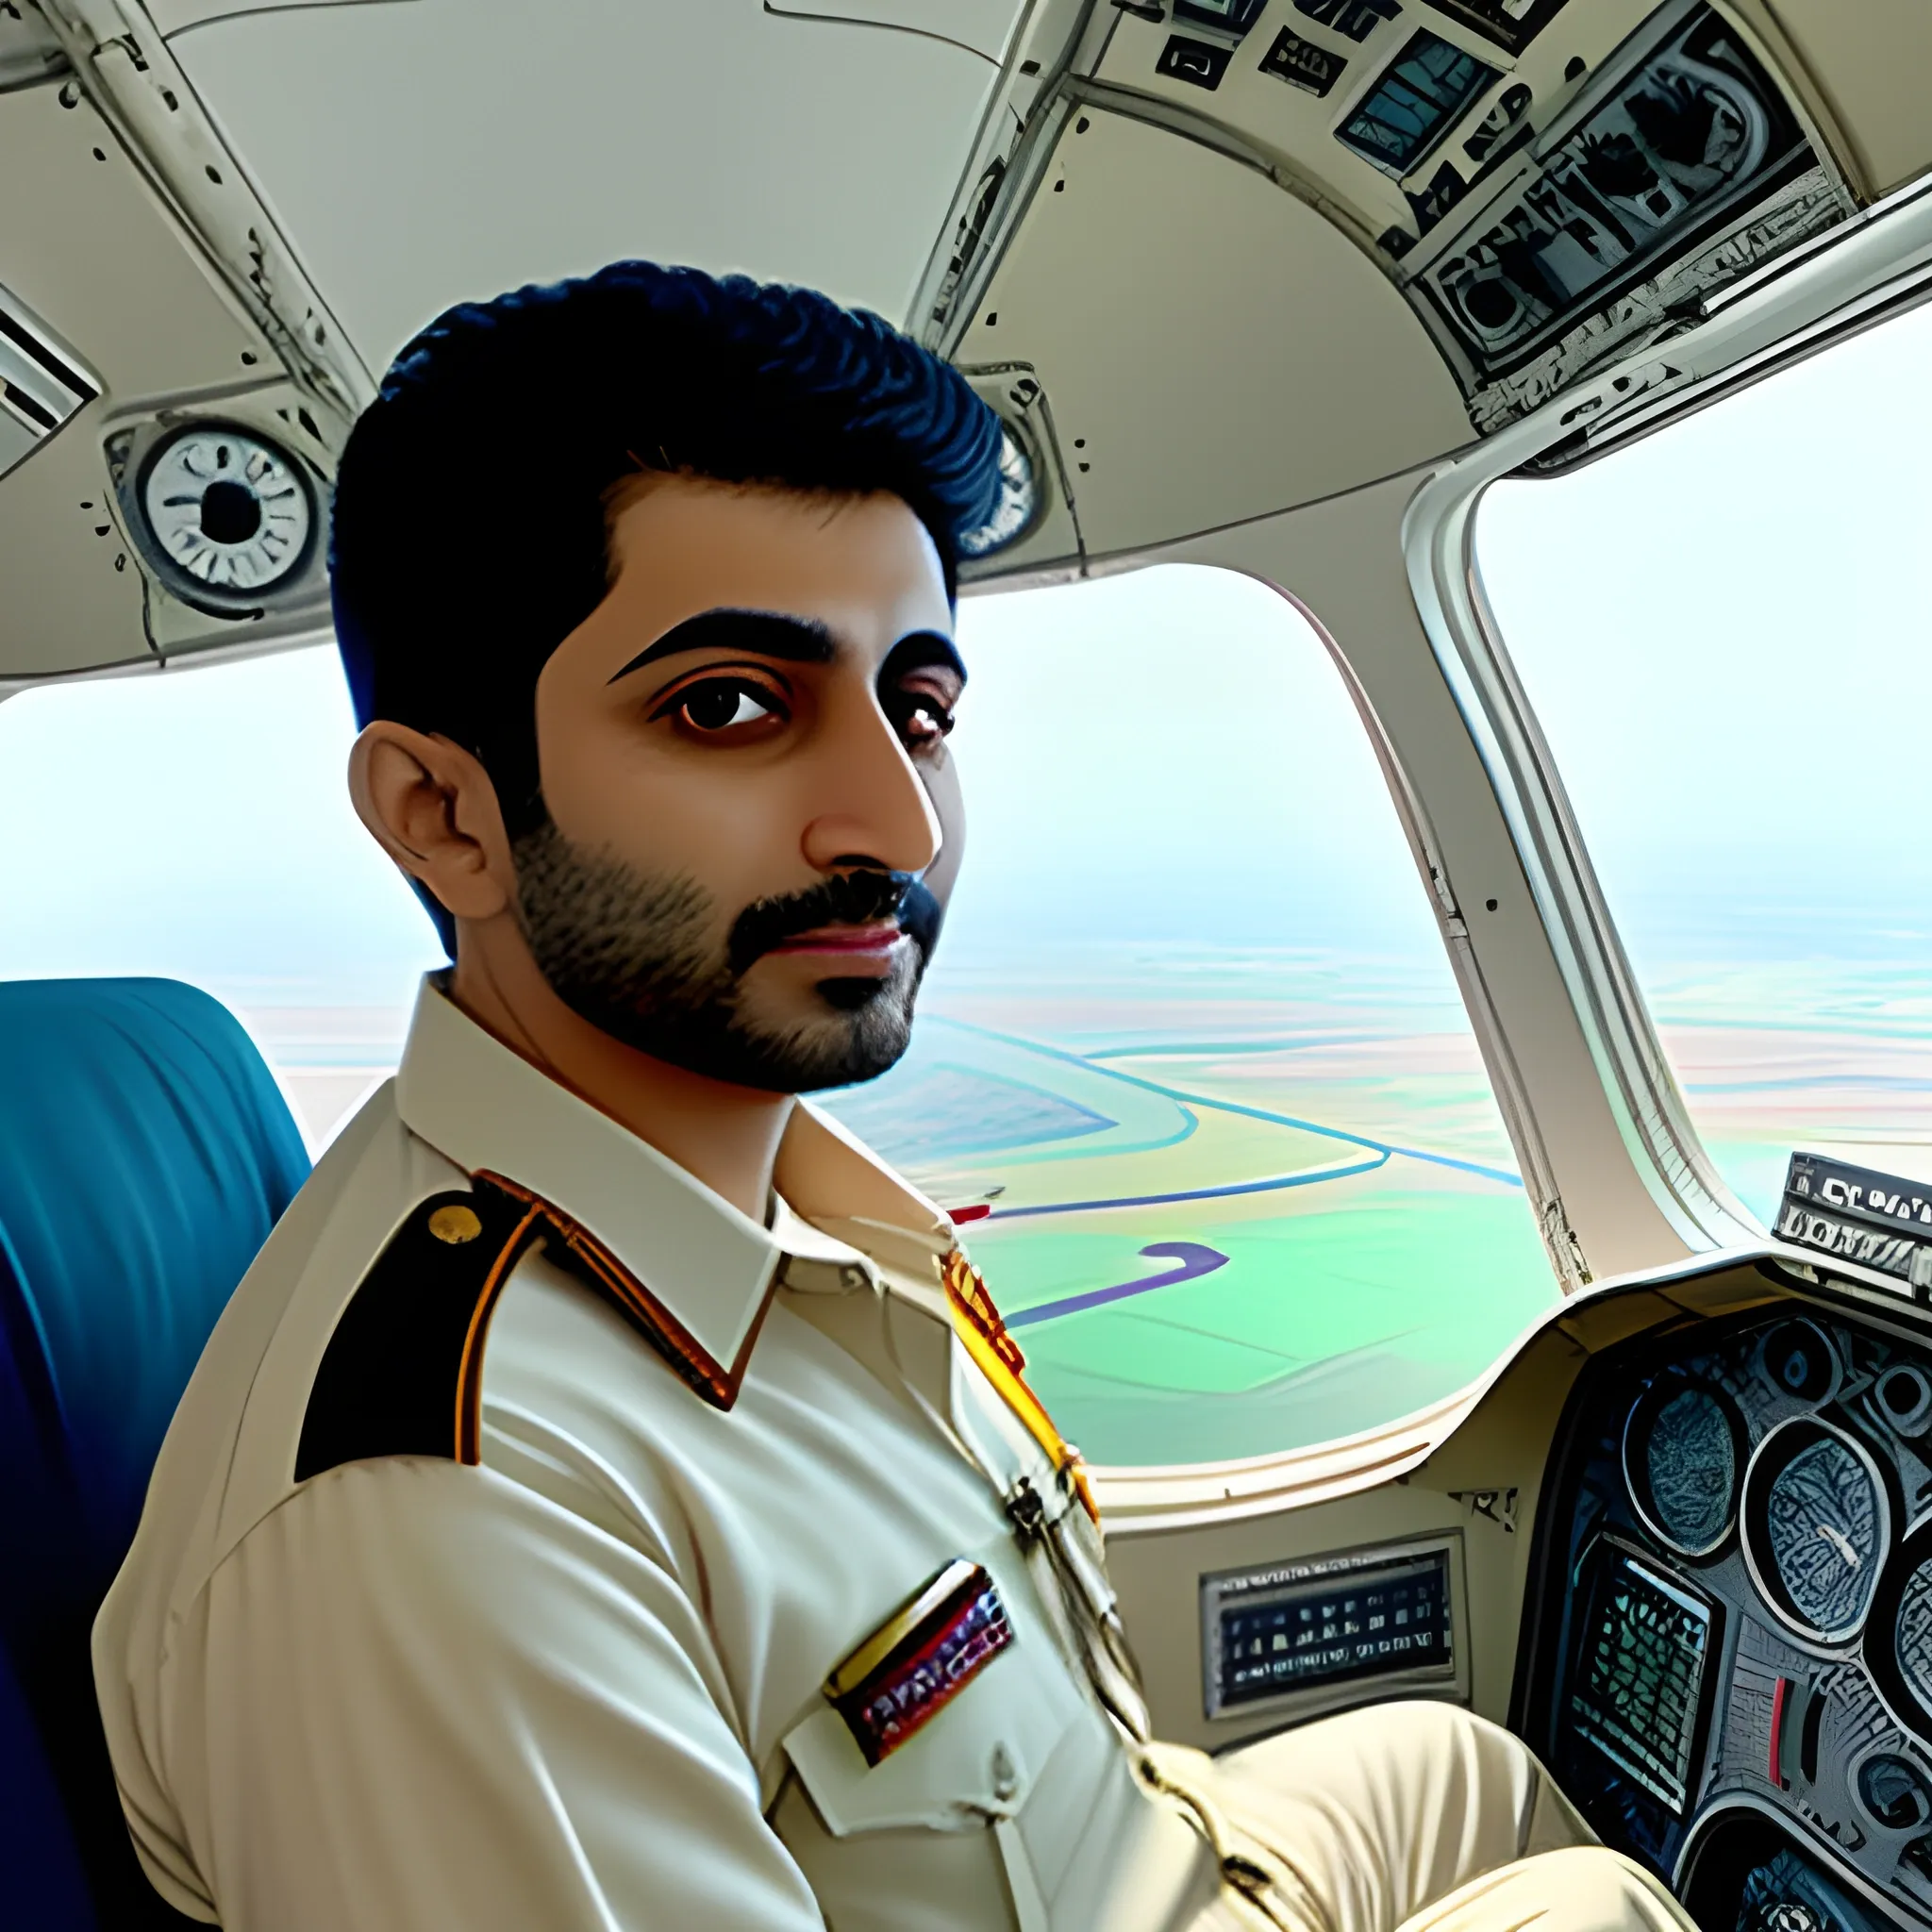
column 848, row 898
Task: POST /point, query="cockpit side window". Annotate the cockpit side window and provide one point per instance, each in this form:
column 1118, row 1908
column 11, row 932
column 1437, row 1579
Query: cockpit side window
column 195, row 825
column 1722, row 631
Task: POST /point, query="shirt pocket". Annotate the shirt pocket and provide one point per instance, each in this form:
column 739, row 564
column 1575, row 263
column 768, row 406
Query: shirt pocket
column 980, row 1764
column 975, row 1759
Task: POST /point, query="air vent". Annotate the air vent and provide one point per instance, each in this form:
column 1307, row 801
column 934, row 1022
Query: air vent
column 226, row 517
column 1019, row 504
column 41, row 385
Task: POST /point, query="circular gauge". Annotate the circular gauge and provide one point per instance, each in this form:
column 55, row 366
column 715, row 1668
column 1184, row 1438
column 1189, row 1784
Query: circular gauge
column 1683, row 1450
column 228, row 510
column 1893, row 1792
column 1898, row 1645
column 1903, row 1396
column 1798, row 1359
column 1817, row 1527
column 1019, row 502
column 1912, row 1634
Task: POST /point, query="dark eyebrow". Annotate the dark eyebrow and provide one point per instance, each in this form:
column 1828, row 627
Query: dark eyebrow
column 767, row 633
column 916, row 651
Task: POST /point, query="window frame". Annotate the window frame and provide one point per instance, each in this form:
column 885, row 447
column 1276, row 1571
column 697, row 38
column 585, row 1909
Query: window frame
column 1846, row 281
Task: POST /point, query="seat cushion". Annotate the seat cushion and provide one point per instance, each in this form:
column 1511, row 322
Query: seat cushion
column 146, row 1151
column 41, row 1882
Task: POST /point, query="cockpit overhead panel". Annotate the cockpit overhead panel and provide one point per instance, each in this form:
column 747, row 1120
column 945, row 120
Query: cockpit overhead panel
column 1554, row 186
column 1546, row 187
column 1415, row 101
column 1680, row 168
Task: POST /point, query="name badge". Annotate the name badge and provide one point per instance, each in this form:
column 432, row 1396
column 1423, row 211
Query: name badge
column 920, row 1658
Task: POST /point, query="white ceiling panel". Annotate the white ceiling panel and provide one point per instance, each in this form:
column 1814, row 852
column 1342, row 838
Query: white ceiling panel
column 983, row 26
column 172, row 16
column 85, row 247
column 424, row 153
column 74, row 595
column 1869, row 58
column 1210, row 346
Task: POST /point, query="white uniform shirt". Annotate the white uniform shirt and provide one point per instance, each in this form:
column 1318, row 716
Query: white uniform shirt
column 579, row 1684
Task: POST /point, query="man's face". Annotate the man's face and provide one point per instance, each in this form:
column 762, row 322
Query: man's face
column 742, row 750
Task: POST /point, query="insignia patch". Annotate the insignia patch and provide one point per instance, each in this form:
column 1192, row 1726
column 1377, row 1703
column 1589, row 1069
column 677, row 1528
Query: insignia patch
column 916, row 1662
column 977, row 1324
column 966, row 1294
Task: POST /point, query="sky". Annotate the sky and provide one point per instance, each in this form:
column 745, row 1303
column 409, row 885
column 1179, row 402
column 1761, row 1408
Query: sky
column 1722, row 628
column 1167, row 756
column 1724, row 631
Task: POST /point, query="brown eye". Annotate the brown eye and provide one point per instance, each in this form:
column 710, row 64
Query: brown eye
column 921, row 718
column 723, row 704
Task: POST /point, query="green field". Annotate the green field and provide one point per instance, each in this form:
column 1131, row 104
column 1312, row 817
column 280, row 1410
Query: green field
column 1318, row 1185
column 1317, row 1127
column 1103, row 1100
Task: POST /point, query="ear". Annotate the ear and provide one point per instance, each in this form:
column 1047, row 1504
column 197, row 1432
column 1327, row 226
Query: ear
column 430, row 806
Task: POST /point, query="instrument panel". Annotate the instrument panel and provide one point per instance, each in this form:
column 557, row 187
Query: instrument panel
column 1729, row 1663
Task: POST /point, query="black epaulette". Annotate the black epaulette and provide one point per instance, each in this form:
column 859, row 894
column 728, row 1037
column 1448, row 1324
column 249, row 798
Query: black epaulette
column 403, row 1372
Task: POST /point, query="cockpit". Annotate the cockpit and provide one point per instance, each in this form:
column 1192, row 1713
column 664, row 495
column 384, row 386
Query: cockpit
column 1734, row 1634
column 1429, row 1052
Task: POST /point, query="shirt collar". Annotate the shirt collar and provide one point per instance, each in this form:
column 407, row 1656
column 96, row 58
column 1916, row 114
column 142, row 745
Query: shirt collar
column 711, row 1267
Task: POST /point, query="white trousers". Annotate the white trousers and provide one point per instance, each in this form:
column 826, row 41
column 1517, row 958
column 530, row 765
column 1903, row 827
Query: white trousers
column 1404, row 1817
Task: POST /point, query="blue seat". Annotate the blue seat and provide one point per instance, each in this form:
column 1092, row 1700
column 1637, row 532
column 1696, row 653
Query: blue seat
column 146, row 1151
column 41, row 1880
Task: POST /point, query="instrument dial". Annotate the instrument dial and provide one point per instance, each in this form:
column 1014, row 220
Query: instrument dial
column 1817, row 1527
column 1799, row 1359
column 229, row 509
column 1019, row 502
column 1683, row 1451
column 1898, row 1646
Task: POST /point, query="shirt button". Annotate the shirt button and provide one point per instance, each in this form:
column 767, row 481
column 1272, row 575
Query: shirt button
column 456, row 1224
column 1006, row 1775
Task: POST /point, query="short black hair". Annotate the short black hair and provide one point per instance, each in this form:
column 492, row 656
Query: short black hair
column 469, row 527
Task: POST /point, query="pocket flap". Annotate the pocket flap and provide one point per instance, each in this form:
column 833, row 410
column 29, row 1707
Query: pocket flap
column 975, row 1760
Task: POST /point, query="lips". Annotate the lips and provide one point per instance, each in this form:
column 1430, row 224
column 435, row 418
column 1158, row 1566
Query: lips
column 859, row 941
column 861, row 913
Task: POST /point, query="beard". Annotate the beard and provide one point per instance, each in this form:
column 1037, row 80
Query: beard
column 637, row 955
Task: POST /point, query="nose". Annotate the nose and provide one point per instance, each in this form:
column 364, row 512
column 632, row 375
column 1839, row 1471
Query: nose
column 871, row 806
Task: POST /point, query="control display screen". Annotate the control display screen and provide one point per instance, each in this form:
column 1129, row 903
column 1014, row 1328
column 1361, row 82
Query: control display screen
column 1279, row 1633
column 1641, row 1676
column 1419, row 97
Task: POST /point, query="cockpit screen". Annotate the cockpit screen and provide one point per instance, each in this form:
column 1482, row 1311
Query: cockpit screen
column 1642, row 1680
column 1285, row 1630
column 1237, row 16
column 1420, row 96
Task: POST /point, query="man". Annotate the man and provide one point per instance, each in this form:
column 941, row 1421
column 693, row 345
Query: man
column 741, row 1582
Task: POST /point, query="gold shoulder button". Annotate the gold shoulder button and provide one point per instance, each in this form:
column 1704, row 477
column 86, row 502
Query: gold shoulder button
column 456, row 1224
